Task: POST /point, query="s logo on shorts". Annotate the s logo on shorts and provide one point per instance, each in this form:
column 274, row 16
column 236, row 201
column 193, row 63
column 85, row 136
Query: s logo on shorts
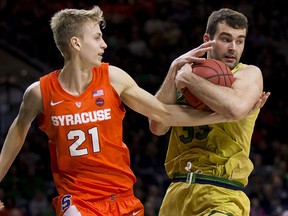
column 66, row 202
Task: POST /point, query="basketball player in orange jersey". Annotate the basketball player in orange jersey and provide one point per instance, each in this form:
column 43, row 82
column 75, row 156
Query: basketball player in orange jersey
column 209, row 164
column 81, row 112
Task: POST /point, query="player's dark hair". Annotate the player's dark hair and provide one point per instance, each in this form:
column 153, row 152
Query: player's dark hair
column 232, row 18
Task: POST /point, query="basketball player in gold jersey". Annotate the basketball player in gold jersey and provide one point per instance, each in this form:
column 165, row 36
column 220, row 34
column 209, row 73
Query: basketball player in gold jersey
column 209, row 164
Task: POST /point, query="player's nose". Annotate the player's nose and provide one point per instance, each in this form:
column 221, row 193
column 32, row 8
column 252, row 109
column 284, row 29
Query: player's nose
column 232, row 46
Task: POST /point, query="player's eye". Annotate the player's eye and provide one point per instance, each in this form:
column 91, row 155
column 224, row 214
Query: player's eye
column 226, row 40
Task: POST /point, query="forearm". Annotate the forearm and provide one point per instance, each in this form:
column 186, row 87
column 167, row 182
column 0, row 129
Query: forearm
column 12, row 145
column 218, row 98
column 235, row 102
column 167, row 95
column 186, row 116
column 167, row 92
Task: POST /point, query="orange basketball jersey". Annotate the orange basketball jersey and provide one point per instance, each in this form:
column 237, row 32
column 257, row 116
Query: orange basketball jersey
column 88, row 157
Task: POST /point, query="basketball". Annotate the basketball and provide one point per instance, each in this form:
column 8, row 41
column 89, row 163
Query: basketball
column 214, row 71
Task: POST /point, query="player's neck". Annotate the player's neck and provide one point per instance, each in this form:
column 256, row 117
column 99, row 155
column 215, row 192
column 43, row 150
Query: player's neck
column 74, row 79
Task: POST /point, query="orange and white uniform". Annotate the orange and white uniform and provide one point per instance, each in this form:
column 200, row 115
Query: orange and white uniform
column 90, row 163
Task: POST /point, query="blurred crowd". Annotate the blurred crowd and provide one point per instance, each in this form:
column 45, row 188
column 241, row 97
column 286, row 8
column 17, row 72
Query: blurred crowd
column 143, row 38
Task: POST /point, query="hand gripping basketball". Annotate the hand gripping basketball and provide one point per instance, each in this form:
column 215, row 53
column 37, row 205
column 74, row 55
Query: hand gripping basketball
column 214, row 71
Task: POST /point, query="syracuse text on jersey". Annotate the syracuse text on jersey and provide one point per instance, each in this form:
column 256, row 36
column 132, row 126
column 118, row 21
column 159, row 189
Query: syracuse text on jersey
column 81, row 118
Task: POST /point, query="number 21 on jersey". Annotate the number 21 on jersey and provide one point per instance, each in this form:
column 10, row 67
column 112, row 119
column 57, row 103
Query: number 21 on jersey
column 79, row 137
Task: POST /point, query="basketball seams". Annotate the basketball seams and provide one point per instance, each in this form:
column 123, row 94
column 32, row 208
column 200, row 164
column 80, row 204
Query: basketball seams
column 230, row 76
column 213, row 71
column 223, row 72
column 208, row 67
column 223, row 77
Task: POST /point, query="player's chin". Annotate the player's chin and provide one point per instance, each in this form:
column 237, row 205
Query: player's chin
column 230, row 63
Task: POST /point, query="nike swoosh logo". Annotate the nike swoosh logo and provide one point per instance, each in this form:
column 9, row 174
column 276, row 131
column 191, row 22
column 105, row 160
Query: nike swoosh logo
column 55, row 103
column 137, row 212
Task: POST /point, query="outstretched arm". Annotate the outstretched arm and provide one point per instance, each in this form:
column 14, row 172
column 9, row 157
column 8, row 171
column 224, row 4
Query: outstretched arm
column 146, row 104
column 30, row 107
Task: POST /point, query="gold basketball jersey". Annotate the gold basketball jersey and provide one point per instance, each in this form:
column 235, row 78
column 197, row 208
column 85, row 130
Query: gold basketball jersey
column 218, row 149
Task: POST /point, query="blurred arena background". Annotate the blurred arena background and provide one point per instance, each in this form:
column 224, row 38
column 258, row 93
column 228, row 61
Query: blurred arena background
column 143, row 37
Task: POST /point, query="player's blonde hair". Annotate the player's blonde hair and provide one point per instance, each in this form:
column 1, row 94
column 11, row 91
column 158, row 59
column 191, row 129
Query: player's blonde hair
column 68, row 23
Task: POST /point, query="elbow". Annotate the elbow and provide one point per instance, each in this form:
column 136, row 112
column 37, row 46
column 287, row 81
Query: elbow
column 156, row 131
column 158, row 128
column 236, row 113
column 235, row 116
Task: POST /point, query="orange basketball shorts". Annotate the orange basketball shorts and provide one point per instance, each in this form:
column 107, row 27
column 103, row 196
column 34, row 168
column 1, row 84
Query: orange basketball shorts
column 125, row 204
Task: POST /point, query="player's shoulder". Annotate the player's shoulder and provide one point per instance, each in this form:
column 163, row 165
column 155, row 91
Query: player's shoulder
column 113, row 69
column 118, row 74
column 246, row 68
column 34, row 86
column 120, row 79
column 252, row 67
column 33, row 91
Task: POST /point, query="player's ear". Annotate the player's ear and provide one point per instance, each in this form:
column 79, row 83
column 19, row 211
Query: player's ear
column 75, row 43
column 206, row 37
